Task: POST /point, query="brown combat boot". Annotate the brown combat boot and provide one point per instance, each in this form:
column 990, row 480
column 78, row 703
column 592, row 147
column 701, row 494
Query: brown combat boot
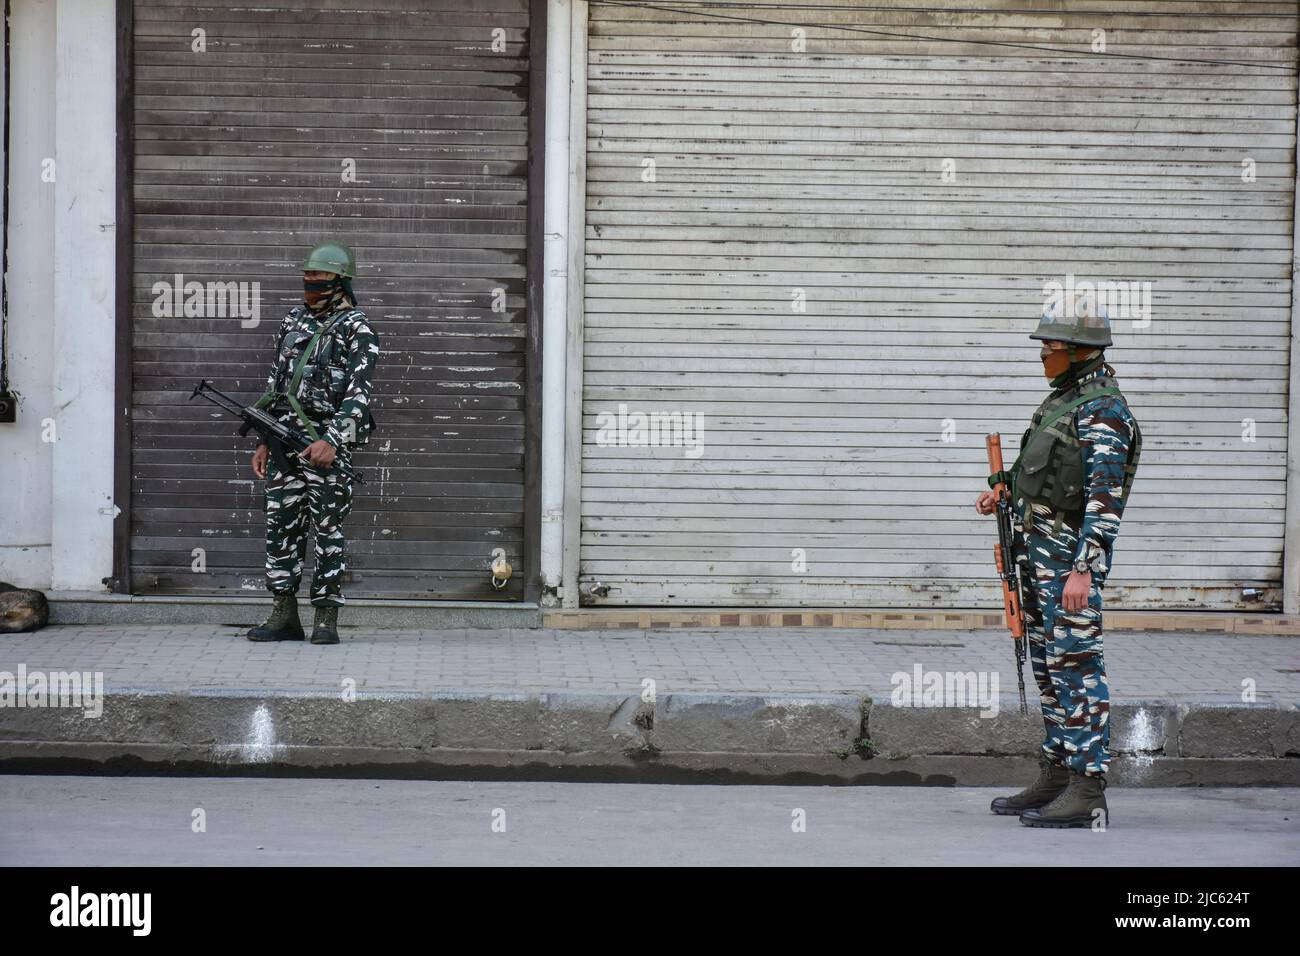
column 1052, row 780
column 325, row 629
column 283, row 624
column 1081, row 804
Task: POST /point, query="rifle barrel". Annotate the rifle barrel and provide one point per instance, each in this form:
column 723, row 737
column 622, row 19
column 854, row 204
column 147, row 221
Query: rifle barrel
column 204, row 390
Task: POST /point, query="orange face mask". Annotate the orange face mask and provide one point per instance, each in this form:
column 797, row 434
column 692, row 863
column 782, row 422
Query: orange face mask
column 1056, row 362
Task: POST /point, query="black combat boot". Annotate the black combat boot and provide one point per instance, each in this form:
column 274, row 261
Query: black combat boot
column 1052, row 780
column 325, row 630
column 283, row 624
column 1081, row 804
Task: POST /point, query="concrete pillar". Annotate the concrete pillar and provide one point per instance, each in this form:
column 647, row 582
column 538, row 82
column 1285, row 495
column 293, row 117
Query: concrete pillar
column 25, row 510
column 85, row 131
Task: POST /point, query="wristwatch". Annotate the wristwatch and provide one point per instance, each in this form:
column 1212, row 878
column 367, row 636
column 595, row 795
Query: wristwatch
column 1082, row 566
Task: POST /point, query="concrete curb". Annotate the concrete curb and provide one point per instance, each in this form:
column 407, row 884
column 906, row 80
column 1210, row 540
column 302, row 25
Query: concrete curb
column 1146, row 729
column 690, row 737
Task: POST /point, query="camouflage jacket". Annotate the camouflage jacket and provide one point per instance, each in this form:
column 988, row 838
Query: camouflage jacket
column 335, row 388
column 1106, row 430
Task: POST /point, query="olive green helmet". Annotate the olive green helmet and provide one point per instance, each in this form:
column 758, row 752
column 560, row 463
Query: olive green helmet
column 333, row 257
column 1078, row 320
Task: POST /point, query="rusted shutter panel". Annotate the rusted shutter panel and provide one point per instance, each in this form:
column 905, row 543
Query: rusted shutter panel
column 241, row 155
column 850, row 321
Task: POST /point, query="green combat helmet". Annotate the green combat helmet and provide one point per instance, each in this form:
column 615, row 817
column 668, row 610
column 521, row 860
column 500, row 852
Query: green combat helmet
column 1077, row 320
column 333, row 257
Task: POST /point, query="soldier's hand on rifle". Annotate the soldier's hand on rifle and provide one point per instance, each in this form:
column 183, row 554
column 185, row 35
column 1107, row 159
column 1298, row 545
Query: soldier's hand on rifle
column 259, row 460
column 986, row 503
column 319, row 453
column 1075, row 596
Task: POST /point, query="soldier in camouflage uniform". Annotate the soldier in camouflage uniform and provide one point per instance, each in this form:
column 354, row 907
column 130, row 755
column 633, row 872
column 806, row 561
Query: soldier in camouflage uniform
column 325, row 359
column 1069, row 485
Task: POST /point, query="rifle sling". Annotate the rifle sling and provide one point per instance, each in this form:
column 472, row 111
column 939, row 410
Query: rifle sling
column 291, row 393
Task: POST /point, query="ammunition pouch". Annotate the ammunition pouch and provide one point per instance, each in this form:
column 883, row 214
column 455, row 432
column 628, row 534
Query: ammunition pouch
column 324, row 380
column 1051, row 472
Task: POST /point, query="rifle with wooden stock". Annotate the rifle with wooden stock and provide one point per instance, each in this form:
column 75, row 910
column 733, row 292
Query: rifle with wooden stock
column 1005, row 558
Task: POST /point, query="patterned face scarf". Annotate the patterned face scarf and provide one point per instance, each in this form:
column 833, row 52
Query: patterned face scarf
column 327, row 294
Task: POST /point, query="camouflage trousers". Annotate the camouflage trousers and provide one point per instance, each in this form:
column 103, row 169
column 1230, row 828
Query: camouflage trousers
column 294, row 497
column 1066, row 655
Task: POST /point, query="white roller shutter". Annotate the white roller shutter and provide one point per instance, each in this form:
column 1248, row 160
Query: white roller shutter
column 819, row 174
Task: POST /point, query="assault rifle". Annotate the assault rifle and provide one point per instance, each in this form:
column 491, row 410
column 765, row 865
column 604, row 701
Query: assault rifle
column 1005, row 559
column 278, row 436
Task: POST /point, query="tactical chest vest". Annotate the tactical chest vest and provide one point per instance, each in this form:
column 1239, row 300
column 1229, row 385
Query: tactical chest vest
column 316, row 378
column 1050, row 468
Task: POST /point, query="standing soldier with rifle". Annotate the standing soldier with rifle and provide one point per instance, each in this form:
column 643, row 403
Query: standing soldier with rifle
column 320, row 384
column 1068, row 487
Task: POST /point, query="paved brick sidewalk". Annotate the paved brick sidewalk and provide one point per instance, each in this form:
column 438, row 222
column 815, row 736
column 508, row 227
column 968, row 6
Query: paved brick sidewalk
column 1141, row 666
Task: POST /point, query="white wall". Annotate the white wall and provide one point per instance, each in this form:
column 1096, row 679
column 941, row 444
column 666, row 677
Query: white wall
column 25, row 516
column 56, row 523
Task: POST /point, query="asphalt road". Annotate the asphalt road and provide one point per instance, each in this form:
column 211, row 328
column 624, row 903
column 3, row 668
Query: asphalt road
column 80, row 821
